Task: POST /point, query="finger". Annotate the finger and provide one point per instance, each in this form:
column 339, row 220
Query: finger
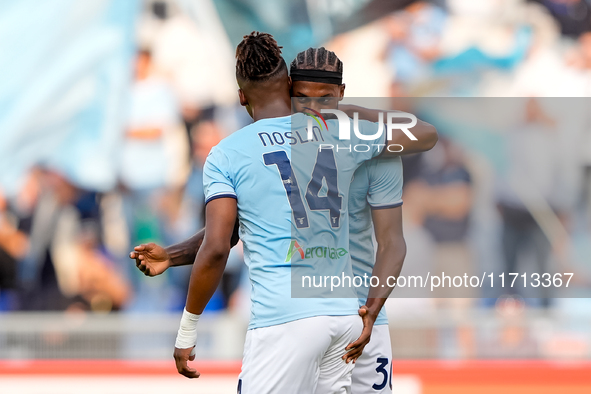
column 180, row 364
column 184, row 369
column 147, row 271
column 359, row 344
column 138, row 260
column 352, row 355
column 192, row 357
column 354, row 345
column 142, row 267
column 140, row 248
column 132, row 255
column 190, row 373
column 362, row 340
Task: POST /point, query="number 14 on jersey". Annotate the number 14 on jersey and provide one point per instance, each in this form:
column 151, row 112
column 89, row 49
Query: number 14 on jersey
column 325, row 170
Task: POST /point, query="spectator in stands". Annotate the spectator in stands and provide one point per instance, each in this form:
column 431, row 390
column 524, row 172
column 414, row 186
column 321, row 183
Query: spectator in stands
column 448, row 219
column 154, row 130
column 573, row 16
column 529, row 191
column 415, row 35
column 153, row 170
column 64, row 268
column 13, row 246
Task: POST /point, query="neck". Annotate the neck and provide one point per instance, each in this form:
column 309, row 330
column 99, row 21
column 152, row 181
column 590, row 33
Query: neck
column 271, row 109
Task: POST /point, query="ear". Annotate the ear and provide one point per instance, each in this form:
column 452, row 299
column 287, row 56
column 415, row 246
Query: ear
column 341, row 92
column 242, row 97
column 290, row 84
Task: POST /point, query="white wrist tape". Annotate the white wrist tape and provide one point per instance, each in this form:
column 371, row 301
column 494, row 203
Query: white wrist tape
column 187, row 335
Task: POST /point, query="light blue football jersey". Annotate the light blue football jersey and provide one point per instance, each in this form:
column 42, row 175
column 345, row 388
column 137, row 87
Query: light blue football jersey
column 377, row 184
column 292, row 195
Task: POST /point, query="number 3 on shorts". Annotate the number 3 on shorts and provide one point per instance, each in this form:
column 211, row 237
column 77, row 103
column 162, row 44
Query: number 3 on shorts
column 381, row 368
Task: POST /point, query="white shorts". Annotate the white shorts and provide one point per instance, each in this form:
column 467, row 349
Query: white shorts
column 302, row 356
column 373, row 369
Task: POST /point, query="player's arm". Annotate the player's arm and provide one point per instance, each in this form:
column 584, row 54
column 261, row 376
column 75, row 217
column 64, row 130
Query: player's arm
column 425, row 133
column 391, row 251
column 153, row 259
column 205, row 277
column 389, row 259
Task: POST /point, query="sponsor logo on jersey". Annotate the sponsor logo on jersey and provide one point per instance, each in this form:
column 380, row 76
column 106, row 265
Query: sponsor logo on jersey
column 313, row 252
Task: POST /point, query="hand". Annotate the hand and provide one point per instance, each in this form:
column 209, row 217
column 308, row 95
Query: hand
column 181, row 358
column 356, row 348
column 150, row 258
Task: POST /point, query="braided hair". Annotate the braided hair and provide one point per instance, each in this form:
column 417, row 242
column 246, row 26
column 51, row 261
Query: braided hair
column 317, row 59
column 258, row 57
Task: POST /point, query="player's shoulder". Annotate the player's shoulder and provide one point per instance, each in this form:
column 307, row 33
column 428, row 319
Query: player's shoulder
column 387, row 161
column 232, row 143
column 385, row 165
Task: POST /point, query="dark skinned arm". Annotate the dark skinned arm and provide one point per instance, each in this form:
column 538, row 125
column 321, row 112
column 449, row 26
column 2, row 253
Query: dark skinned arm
column 389, row 259
column 425, row 133
column 153, row 259
column 209, row 267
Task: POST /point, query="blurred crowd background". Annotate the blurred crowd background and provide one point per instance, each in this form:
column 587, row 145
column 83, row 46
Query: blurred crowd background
column 109, row 108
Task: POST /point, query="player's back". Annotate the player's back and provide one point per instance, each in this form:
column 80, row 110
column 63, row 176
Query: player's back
column 292, row 207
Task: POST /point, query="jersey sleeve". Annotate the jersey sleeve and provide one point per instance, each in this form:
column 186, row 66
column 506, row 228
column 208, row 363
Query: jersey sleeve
column 217, row 178
column 385, row 183
column 373, row 144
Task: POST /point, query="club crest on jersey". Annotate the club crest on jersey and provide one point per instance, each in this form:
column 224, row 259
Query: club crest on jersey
column 313, row 252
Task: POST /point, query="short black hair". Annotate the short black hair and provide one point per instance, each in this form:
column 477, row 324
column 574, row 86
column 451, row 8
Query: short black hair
column 258, row 58
column 317, row 59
